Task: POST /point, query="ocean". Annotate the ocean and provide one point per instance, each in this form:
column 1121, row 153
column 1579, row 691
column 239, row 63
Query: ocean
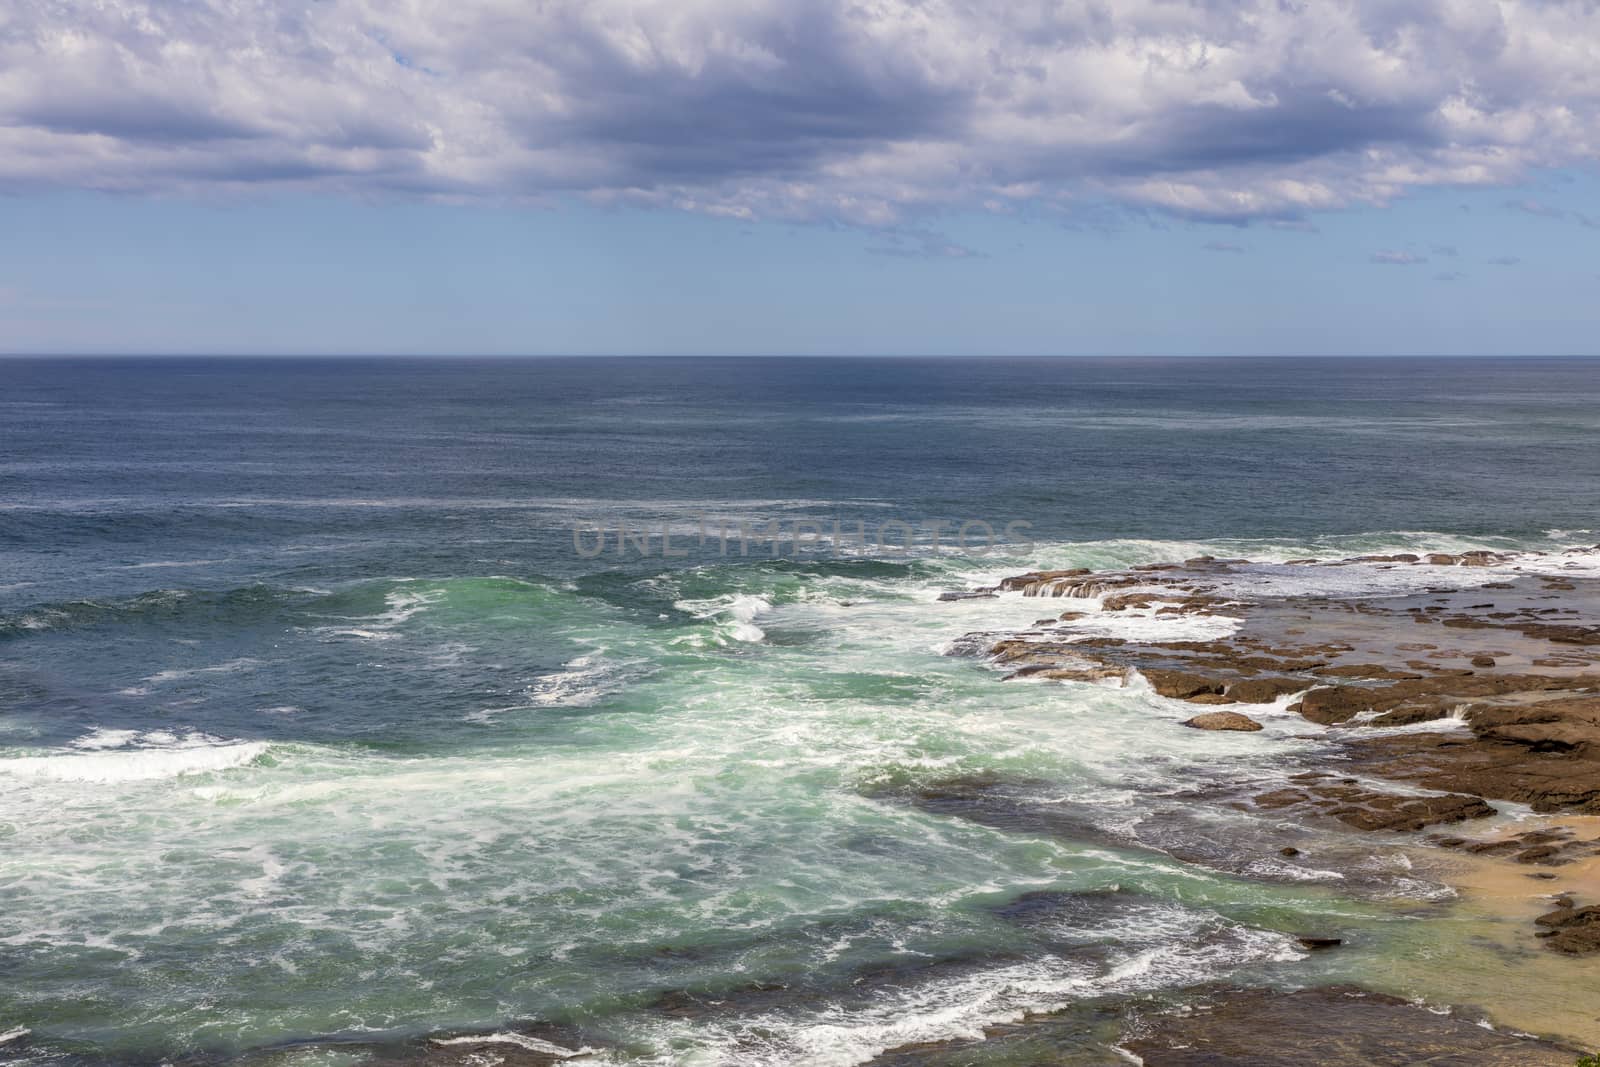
column 350, row 700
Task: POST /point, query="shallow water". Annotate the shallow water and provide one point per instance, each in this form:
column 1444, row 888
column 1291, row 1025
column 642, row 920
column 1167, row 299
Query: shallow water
column 313, row 722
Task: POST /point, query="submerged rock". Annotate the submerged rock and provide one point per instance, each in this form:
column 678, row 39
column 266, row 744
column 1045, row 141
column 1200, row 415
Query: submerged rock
column 1339, row 1026
column 1368, row 809
column 1552, row 847
column 1570, row 930
column 522, row 1044
column 1317, row 944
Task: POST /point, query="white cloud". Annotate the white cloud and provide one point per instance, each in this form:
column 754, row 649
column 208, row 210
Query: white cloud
column 863, row 111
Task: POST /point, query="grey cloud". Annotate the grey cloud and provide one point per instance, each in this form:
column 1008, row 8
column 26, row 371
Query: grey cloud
column 922, row 245
column 1534, row 207
column 131, row 119
column 805, row 109
column 1396, row 258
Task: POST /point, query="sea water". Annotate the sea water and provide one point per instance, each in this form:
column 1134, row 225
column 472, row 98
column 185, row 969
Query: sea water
column 319, row 720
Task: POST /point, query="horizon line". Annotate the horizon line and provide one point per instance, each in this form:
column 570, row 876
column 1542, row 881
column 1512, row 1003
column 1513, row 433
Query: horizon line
column 778, row 355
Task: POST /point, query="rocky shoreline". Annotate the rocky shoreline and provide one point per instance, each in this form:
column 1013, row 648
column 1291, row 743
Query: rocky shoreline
column 1510, row 669
column 1448, row 701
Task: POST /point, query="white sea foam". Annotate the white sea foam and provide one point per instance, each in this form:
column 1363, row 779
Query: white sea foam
column 125, row 756
column 1144, row 625
column 1122, row 553
column 1271, row 869
column 243, row 663
column 963, row 1008
column 101, row 737
column 13, row 1035
column 582, row 681
column 401, row 604
column 736, row 614
column 509, row 1037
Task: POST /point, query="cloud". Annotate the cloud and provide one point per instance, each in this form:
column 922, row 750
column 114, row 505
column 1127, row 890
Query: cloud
column 1450, row 251
column 1223, row 246
column 1397, row 258
column 1534, row 207
column 1449, row 276
column 864, row 113
column 921, row 245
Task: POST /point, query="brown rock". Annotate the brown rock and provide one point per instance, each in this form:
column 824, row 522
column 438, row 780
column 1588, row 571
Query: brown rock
column 1264, row 690
column 1181, row 685
column 1315, row 943
column 1022, row 581
column 1571, row 931
column 1426, row 710
column 1335, row 704
column 1537, row 854
column 1386, row 812
column 1564, row 725
column 1223, row 720
column 1367, row 809
column 1078, row 674
column 1546, row 781
column 1370, row 671
column 1337, row 1026
column 1124, row 601
column 1562, row 634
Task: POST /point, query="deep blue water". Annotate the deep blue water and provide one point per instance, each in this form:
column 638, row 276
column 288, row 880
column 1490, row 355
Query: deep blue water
column 344, row 467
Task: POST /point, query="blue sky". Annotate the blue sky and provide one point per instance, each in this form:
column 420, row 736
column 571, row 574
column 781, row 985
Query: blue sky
column 704, row 176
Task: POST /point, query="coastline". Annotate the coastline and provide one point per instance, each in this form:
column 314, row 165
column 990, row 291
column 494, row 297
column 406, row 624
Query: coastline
column 1472, row 747
column 1497, row 961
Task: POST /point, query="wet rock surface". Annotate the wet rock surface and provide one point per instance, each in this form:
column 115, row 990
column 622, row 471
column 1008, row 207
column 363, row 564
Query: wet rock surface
column 1436, row 707
column 1224, row 720
column 1555, row 846
column 1330, row 1027
column 520, row 1044
column 1511, row 672
column 1571, row 930
column 1369, row 809
column 1194, row 828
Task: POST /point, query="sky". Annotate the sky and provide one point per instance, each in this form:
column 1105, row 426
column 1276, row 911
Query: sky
column 912, row 177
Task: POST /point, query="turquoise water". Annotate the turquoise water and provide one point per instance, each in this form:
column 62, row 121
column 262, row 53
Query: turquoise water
column 312, row 722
